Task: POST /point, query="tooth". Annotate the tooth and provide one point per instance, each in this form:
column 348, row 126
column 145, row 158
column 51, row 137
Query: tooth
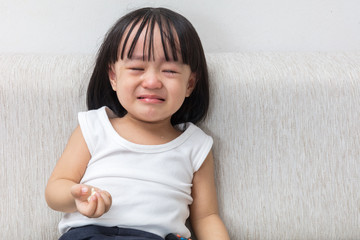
column 93, row 192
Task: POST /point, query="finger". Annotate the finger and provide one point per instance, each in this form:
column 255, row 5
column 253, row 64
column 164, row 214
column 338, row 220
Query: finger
column 88, row 208
column 80, row 192
column 107, row 200
column 76, row 190
column 100, row 207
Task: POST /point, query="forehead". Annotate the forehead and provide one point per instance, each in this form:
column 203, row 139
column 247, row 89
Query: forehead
column 147, row 37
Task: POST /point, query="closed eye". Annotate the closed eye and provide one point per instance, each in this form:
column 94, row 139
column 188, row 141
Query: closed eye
column 137, row 69
column 170, row 71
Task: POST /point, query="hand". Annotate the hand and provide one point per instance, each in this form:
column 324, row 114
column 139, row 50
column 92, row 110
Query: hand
column 88, row 204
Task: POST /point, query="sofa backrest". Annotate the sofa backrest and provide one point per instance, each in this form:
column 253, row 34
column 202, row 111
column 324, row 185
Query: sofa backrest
column 286, row 130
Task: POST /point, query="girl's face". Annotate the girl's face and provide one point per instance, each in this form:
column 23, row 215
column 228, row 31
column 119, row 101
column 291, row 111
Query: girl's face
column 150, row 91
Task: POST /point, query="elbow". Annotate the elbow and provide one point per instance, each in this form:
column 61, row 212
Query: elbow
column 48, row 197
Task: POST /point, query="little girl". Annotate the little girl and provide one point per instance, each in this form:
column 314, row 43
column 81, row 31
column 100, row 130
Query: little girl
column 137, row 167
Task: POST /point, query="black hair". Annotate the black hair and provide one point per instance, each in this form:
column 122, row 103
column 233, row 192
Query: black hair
column 177, row 36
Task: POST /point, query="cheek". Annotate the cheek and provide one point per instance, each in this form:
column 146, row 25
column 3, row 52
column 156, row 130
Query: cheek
column 178, row 93
column 123, row 93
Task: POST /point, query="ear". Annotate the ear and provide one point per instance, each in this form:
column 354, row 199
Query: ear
column 112, row 76
column 191, row 84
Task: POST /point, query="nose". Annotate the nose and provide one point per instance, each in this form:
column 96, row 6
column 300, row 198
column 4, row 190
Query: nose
column 151, row 80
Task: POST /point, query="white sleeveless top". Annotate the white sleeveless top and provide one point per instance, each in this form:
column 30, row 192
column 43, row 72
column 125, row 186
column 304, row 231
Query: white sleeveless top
column 150, row 185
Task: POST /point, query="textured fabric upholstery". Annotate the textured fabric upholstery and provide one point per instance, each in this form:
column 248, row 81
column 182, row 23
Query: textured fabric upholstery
column 286, row 130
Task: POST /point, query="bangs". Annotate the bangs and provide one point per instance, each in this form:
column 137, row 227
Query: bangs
column 147, row 23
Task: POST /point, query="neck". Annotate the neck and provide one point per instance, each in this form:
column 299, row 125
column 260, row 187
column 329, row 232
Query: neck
column 146, row 133
column 156, row 126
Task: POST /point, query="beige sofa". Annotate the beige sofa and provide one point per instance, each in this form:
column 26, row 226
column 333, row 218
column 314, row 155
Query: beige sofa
column 286, row 130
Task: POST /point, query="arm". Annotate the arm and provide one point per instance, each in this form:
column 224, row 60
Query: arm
column 63, row 191
column 204, row 215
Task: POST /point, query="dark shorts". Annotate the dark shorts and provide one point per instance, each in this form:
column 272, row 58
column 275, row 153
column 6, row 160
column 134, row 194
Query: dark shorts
column 93, row 232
